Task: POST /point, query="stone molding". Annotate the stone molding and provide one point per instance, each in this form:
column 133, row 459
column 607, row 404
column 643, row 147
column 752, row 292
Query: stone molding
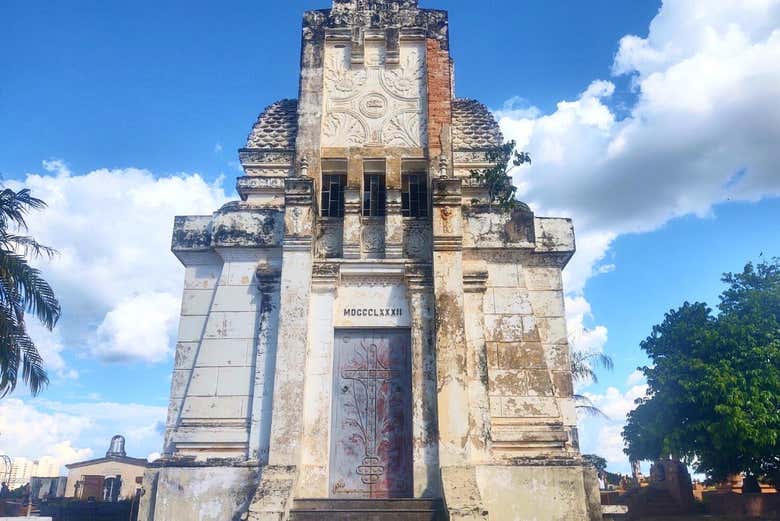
column 325, row 275
column 268, row 277
column 419, row 277
column 299, row 191
column 445, row 243
column 297, row 244
column 252, row 185
column 266, row 157
column 447, row 192
column 372, row 273
column 475, row 282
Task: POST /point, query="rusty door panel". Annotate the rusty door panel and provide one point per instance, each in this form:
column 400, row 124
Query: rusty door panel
column 371, row 443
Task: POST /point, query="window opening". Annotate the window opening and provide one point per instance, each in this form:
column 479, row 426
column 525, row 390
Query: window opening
column 414, row 195
column 334, row 180
column 374, row 189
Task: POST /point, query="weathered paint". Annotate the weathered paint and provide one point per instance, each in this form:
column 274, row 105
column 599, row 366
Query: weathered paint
column 371, row 455
column 487, row 419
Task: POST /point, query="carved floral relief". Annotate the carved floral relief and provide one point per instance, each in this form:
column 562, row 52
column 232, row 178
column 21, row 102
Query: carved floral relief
column 374, row 103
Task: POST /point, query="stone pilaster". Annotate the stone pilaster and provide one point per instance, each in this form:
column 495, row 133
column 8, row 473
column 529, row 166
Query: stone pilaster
column 394, row 226
column 475, row 288
column 450, row 327
column 295, row 291
column 268, row 279
column 313, row 481
column 352, row 227
column 459, row 479
column 273, row 498
column 427, row 480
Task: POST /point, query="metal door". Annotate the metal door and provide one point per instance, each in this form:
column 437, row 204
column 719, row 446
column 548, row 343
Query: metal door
column 371, row 442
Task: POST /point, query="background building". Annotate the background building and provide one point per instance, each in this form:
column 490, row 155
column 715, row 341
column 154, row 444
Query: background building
column 112, row 478
column 23, row 469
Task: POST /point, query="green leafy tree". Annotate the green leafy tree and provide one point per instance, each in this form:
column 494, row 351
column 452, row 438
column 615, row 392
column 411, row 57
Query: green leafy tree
column 497, row 179
column 597, row 461
column 22, row 291
column 714, row 386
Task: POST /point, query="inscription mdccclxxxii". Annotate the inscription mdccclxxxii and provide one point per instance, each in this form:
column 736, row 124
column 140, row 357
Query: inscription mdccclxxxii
column 373, row 312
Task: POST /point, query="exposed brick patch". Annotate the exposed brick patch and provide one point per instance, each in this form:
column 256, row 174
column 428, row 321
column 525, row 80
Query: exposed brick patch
column 439, row 95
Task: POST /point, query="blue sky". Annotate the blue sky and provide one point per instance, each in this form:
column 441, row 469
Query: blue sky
column 123, row 115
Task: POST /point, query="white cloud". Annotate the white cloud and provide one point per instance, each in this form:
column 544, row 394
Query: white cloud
column 138, row 328
column 59, row 434
column 28, row 432
column 635, row 378
column 582, row 338
column 118, row 283
column 603, row 437
column 704, row 130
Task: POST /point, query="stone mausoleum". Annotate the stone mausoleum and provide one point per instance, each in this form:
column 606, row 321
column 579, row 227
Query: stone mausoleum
column 362, row 335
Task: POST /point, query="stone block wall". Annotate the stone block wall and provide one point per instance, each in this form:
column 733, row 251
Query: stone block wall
column 202, row 493
column 529, row 381
column 215, row 357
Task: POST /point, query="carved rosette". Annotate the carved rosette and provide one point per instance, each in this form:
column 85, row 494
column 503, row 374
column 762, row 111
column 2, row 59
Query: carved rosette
column 374, row 103
column 330, row 239
column 373, row 239
column 418, row 239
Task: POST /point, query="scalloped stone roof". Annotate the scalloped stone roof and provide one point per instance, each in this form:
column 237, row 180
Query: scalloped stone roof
column 473, row 126
column 276, row 127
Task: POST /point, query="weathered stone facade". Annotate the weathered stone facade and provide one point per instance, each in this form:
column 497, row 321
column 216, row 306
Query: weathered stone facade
column 363, row 323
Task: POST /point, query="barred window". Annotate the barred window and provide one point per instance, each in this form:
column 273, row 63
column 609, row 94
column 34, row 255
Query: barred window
column 334, row 180
column 374, row 189
column 414, row 195
column 333, row 195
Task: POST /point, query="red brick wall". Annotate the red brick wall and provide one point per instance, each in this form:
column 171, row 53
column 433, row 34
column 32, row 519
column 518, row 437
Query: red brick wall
column 439, row 95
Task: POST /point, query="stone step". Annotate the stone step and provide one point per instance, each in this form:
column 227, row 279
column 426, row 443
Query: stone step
column 366, row 510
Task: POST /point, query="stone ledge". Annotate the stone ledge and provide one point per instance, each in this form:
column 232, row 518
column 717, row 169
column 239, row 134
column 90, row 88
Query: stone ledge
column 190, row 463
column 235, row 225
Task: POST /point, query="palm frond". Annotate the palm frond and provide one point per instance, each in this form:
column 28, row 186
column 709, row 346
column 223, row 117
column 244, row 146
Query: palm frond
column 583, row 364
column 33, row 292
column 586, row 406
column 25, row 245
column 22, row 290
column 15, row 205
column 33, row 372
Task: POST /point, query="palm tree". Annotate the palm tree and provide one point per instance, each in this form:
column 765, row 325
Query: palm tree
column 583, row 364
column 22, row 290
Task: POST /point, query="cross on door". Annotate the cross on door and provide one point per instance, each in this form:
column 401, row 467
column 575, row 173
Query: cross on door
column 371, row 376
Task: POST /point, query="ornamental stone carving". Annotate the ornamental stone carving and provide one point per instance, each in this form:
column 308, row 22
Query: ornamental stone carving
column 330, row 239
column 418, row 239
column 374, row 103
column 374, row 239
